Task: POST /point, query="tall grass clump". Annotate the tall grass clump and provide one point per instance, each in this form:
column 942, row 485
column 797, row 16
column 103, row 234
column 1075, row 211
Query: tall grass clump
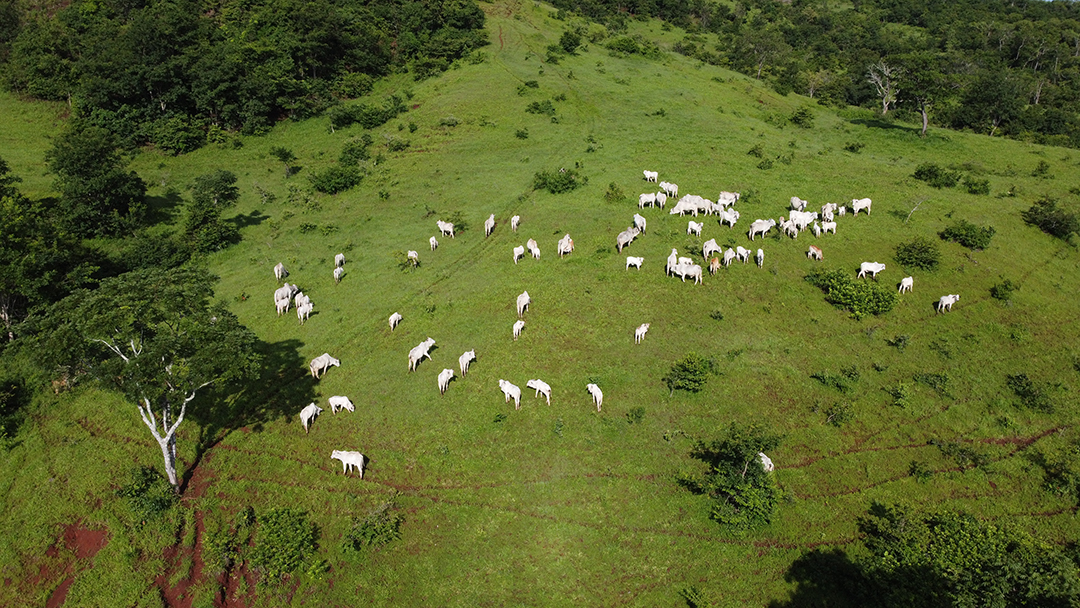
column 860, row 298
column 285, row 538
column 690, row 373
column 380, row 527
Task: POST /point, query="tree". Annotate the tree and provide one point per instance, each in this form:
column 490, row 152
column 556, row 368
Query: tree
column 923, row 82
column 284, row 155
column 97, row 198
column 212, row 193
column 884, row 77
column 689, row 373
column 991, row 100
column 156, row 337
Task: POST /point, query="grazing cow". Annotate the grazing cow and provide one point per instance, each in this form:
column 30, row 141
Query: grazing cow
column 394, row 320
column 444, row 380
column 870, row 267
column 282, row 306
column 790, row 229
column 338, row 273
column 349, row 460
column 445, row 228
column 308, row 415
column 651, row 176
column 646, row 199
column 742, row 254
column 434, row 243
column 566, row 245
column 729, row 217
column 858, row 204
column 843, row 210
column 340, row 402
column 279, row 272
column 514, row 221
column 597, row 395
column 533, row 248
column 728, row 256
column 761, row 227
column 339, row 260
column 946, row 302
column 815, row 253
column 509, row 390
column 661, row 198
column 300, row 299
column 687, row 204
column 760, row 257
column 464, row 360
column 519, row 252
column 320, row 364
column 827, row 227
column 685, row 261
column 639, row 222
column 710, row 247
column 672, row 190
column 635, row 262
column 672, row 260
column 714, row 265
column 518, row 326
column 285, row 292
column 727, row 199
column 693, row 227
column 693, row 271
column 418, row 353
column 541, row 388
column 906, row 284
column 489, row 225
column 798, row 204
column 626, row 237
column 414, row 257
column 766, row 462
column 827, row 216
column 523, row 302
column 304, row 311
column 639, row 333
column 816, row 230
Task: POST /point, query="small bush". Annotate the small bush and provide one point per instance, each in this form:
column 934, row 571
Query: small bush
column 284, row 539
column 937, row 381
column 367, row 116
column 335, row 178
column 803, row 117
column 969, row 235
column 1041, row 169
column 860, row 298
column 757, row 151
column 716, row 315
column 689, row 373
column 765, row 165
column 899, row 394
column 964, row 457
column 854, row 146
column 635, row 415
column 148, row 494
column 570, row 41
column 380, row 527
column 832, row 380
column 521, row 134
column 1003, row 291
column 839, row 414
column 918, row 253
column 354, row 150
column 977, row 186
column 397, row 145
column 1033, row 395
column 920, row 471
column 935, row 176
column 449, row 121
column 544, row 108
column 614, row 194
column 899, row 341
column 1048, row 217
column 633, row 45
column 558, row 182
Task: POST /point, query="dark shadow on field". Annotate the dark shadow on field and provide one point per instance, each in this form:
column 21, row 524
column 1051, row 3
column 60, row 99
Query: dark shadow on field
column 161, row 209
column 825, row 578
column 878, row 123
column 254, row 218
column 282, row 389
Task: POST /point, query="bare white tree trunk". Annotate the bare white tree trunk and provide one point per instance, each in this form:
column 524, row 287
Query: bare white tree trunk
column 167, row 442
column 883, row 76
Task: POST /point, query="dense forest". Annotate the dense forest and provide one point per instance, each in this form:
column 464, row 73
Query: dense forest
column 997, row 67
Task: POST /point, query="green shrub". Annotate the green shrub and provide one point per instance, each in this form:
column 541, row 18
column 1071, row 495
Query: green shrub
column 689, row 373
column 614, row 194
column 335, row 178
column 351, row 85
column 1003, row 291
column 919, row 253
column 920, row 471
column 899, row 394
column 178, row 135
column 541, row 107
column 449, row 121
column 935, row 176
column 285, row 538
column 558, row 182
column 148, row 494
column 899, row 341
column 803, row 117
column 757, row 151
column 854, row 146
column 937, row 381
column 1041, row 170
column 832, row 380
column 521, row 134
column 570, row 41
column 860, row 298
column 355, row 150
column 839, row 414
column 1033, row 395
column 964, row 457
column 395, row 144
column 977, row 186
column 380, row 527
column 365, row 115
column 969, row 235
column 635, row 415
column 13, row 397
column 1052, row 220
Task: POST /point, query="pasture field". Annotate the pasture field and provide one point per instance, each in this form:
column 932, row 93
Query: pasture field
column 561, row 504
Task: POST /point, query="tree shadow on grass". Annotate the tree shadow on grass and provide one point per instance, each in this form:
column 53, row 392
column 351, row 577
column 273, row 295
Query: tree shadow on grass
column 161, row 209
column 243, row 220
column 879, row 123
column 282, row 389
column 824, row 578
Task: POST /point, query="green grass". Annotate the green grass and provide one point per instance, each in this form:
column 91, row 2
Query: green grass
column 514, row 512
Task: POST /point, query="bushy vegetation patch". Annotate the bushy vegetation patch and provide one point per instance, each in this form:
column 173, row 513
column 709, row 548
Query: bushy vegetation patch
column 938, row 381
column 1032, row 395
column 1051, row 219
column 545, row 108
column 13, row 398
column 919, row 253
column 965, row 457
column 690, row 373
column 831, row 380
column 336, row 178
column 969, row 235
column 284, row 540
column 355, row 150
column 614, row 194
column 559, row 182
column 147, row 495
column 860, row 298
column 935, row 176
column 633, row 45
column 380, row 527
column 1004, row 290
column 366, row 115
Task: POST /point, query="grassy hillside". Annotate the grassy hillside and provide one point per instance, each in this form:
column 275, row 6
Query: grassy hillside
column 560, row 504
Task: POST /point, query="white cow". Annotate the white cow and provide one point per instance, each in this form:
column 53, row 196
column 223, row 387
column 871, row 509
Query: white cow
column 339, row 260
column 519, row 252
column 858, row 204
column 727, row 199
column 444, row 379
column 766, row 462
column 672, row 260
column 816, row 230
column 320, row 364
column 651, row 176
column 338, row 273
column 445, row 228
column 802, row 219
column 843, row 210
column 639, row 333
column 394, row 320
column 693, row 271
column 815, row 253
column 709, row 247
column 870, row 267
column 511, row 391
column 489, row 225
column 414, row 257
column 687, row 204
column 340, row 402
column 282, row 306
column 906, row 284
column 729, row 217
column 279, row 272
column 798, row 204
column 626, row 237
column 566, row 245
column 661, row 198
column 760, row 257
column 300, row 299
column 946, row 302
column 633, row 261
column 308, row 415
column 541, row 388
column 434, row 243
column 790, row 228
column 597, row 395
column 761, row 227
column 729, row 255
column 514, row 221
column 418, row 352
column 646, row 199
column 304, row 311
column 639, row 222
column 518, row 326
column 464, row 360
column 693, row 227
column 672, row 190
column 523, row 302
column 285, row 292
column 827, row 227
column 533, row 248
column 349, row 460
column 742, row 254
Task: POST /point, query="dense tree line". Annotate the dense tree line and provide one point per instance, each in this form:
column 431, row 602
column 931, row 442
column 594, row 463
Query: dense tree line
column 994, row 67
column 177, row 72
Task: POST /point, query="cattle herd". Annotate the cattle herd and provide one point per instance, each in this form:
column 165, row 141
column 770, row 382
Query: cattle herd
column 798, row 220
